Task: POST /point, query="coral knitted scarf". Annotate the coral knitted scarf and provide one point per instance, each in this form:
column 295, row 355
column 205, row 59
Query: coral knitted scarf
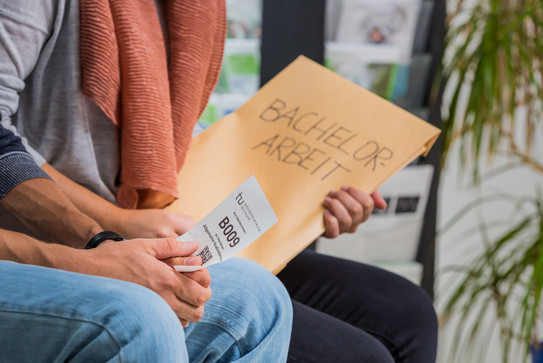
column 154, row 100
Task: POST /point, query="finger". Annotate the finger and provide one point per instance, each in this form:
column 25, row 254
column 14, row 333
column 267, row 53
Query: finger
column 201, row 276
column 168, row 247
column 331, row 224
column 184, row 311
column 363, row 198
column 182, row 223
column 191, row 291
column 352, row 205
column 184, row 261
column 378, row 200
column 184, row 323
column 340, row 212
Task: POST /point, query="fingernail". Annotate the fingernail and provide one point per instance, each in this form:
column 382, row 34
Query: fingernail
column 327, row 212
column 191, row 244
column 332, row 192
column 327, row 199
column 193, row 261
column 345, row 188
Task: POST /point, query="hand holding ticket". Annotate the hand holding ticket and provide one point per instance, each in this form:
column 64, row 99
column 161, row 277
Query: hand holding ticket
column 234, row 224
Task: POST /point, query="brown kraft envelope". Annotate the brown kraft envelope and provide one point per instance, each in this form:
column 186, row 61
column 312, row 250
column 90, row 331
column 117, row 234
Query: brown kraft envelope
column 304, row 133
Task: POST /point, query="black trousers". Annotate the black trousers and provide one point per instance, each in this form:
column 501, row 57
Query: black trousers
column 346, row 311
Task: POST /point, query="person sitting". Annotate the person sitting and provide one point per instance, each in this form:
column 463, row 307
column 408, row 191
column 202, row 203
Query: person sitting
column 106, row 95
column 120, row 301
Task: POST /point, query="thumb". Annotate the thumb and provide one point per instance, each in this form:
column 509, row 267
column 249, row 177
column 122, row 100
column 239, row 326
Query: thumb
column 378, row 200
column 187, row 261
column 168, row 247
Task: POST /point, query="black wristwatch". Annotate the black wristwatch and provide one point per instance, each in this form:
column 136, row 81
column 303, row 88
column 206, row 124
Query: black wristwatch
column 103, row 236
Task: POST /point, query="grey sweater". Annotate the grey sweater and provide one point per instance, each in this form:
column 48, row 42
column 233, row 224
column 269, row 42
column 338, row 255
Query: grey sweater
column 40, row 96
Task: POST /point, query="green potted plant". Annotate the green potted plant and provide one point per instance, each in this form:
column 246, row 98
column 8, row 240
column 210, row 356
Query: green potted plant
column 493, row 72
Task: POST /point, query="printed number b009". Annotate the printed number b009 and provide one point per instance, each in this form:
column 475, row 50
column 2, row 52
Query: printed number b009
column 228, row 231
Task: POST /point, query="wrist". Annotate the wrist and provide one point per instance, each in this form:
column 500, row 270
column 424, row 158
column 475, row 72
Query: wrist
column 51, row 255
column 93, row 231
column 73, row 259
column 82, row 227
column 112, row 218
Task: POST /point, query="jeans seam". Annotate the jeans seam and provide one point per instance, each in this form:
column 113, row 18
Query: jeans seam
column 224, row 328
column 70, row 319
column 236, row 340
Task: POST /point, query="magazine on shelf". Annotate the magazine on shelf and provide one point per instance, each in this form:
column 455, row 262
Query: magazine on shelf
column 371, row 66
column 379, row 22
column 240, row 71
column 244, row 19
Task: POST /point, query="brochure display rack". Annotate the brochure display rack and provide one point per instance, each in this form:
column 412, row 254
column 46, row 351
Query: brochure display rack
column 318, row 30
column 391, row 47
column 383, row 46
column 240, row 75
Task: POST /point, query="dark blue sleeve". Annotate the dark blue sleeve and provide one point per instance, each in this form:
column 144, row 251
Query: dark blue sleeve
column 16, row 164
column 9, row 142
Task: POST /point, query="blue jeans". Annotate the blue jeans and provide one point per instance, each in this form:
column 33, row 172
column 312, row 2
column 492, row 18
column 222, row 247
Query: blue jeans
column 48, row 315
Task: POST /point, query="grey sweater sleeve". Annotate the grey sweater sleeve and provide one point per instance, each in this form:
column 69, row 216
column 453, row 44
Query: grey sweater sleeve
column 25, row 26
column 16, row 165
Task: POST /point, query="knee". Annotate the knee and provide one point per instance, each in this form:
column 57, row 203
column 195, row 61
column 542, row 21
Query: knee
column 261, row 289
column 141, row 307
column 250, row 301
column 418, row 313
column 140, row 322
column 376, row 353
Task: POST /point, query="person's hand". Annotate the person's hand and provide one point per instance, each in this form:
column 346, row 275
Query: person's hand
column 149, row 198
column 139, row 223
column 142, row 261
column 151, row 223
column 347, row 208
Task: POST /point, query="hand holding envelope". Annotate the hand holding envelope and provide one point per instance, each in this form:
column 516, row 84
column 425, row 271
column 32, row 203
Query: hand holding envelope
column 306, row 132
column 347, row 208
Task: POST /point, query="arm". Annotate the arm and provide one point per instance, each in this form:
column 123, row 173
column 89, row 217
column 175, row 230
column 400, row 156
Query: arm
column 48, row 214
column 26, row 28
column 146, row 223
column 135, row 261
column 29, row 195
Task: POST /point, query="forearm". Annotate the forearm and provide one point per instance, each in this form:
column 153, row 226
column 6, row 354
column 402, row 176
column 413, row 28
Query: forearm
column 102, row 211
column 48, row 214
column 21, row 248
column 131, row 223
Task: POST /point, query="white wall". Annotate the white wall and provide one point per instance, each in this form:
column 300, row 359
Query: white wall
column 452, row 249
column 455, row 192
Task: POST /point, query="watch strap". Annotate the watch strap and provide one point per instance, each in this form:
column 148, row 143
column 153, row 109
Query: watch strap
column 103, row 236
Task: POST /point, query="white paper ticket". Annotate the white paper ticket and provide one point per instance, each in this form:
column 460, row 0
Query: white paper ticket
column 234, row 224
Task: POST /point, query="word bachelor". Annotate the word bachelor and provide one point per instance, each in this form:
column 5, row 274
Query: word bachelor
column 321, row 136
